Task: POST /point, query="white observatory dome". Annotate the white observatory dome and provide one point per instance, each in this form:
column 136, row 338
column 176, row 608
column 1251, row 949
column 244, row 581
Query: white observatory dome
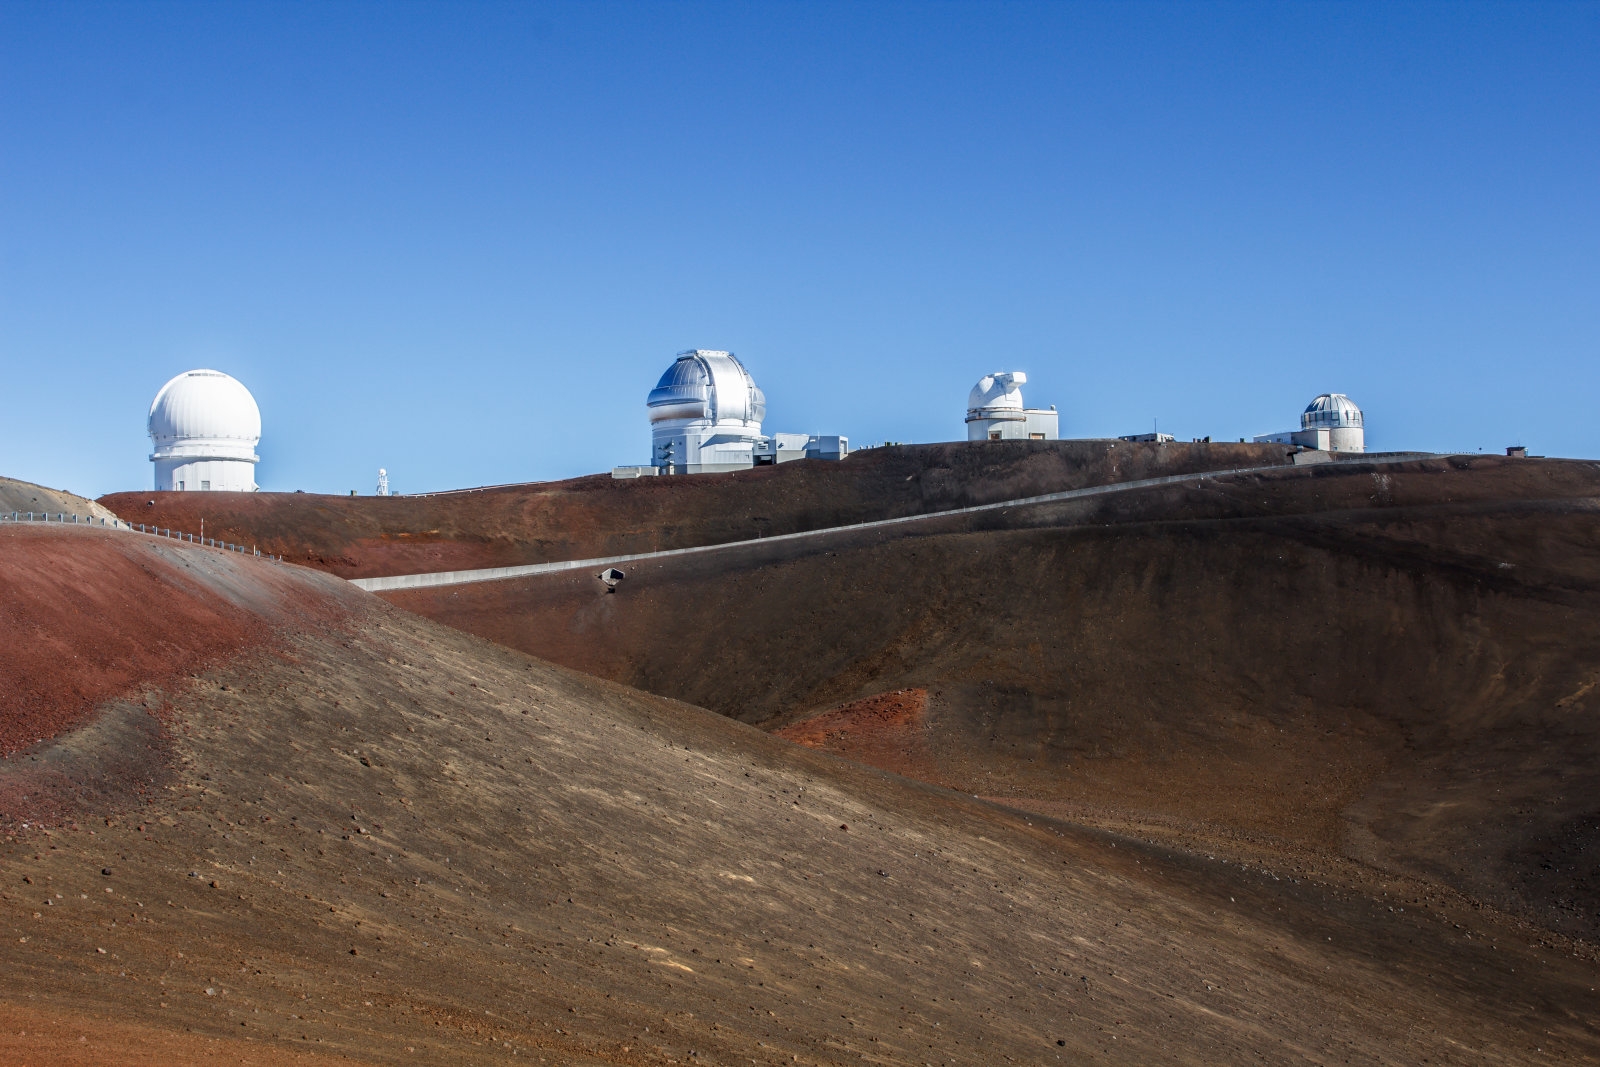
column 702, row 384
column 1339, row 415
column 995, row 411
column 998, row 390
column 204, row 426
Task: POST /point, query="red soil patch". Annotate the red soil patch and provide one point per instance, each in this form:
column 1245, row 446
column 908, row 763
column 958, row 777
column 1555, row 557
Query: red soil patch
column 888, row 731
column 44, row 1037
column 89, row 615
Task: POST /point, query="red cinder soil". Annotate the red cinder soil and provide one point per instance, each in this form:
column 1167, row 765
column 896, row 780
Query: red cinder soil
column 363, row 537
column 384, row 839
column 1393, row 667
column 90, row 615
column 887, row 731
column 33, row 1036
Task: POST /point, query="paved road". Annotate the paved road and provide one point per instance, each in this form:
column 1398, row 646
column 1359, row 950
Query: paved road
column 493, row 574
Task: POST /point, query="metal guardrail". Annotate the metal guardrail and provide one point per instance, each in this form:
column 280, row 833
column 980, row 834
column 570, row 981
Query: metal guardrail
column 67, row 519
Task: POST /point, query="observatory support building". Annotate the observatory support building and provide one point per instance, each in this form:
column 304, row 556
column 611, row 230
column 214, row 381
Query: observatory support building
column 995, row 411
column 204, row 428
column 705, row 415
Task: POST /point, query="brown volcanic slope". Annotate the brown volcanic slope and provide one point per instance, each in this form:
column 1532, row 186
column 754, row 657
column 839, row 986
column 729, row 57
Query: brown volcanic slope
column 363, row 537
column 24, row 497
column 377, row 838
column 1395, row 668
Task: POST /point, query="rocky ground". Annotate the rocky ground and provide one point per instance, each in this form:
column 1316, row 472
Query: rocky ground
column 1392, row 668
column 25, row 497
column 377, row 838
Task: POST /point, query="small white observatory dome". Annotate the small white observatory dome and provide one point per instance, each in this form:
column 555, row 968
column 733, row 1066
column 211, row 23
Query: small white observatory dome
column 1339, row 415
column 996, row 391
column 204, row 427
column 705, row 412
column 995, row 411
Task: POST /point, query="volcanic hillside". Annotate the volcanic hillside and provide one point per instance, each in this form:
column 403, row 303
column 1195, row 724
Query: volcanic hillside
column 363, row 537
column 1363, row 670
column 352, row 832
column 25, row 497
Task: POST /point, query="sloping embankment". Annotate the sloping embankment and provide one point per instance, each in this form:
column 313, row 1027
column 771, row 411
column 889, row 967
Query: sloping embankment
column 386, row 840
column 1392, row 667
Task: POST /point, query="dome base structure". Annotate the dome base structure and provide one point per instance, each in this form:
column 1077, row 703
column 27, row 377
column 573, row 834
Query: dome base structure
column 205, row 475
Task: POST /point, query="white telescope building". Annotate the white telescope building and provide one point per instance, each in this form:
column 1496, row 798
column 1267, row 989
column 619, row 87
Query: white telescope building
column 1331, row 423
column 995, row 411
column 705, row 415
column 204, row 427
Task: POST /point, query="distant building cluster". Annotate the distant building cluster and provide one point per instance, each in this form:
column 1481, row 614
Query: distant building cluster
column 705, row 416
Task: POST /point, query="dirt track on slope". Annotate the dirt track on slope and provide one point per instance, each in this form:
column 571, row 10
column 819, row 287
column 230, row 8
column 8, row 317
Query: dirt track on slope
column 363, row 537
column 1343, row 669
column 387, row 840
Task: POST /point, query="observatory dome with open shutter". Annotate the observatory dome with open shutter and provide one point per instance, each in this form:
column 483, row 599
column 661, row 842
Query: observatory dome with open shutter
column 204, row 427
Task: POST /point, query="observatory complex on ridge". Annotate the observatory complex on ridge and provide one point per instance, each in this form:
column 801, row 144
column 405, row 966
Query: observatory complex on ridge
column 705, row 415
column 204, row 427
column 1330, row 423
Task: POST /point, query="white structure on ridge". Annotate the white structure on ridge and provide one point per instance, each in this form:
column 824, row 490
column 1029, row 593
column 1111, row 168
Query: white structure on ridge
column 383, row 482
column 995, row 411
column 204, row 427
column 705, row 415
column 1331, row 423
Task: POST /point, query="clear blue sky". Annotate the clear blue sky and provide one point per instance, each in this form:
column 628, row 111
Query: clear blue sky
column 463, row 240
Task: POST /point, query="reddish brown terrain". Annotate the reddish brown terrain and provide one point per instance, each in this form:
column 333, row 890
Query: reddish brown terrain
column 889, row 730
column 25, row 497
column 1293, row 766
column 363, row 537
column 75, row 640
column 1345, row 668
column 375, row 838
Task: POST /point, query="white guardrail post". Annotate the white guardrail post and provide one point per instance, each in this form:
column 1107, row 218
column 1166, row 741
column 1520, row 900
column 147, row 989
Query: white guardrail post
column 114, row 523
